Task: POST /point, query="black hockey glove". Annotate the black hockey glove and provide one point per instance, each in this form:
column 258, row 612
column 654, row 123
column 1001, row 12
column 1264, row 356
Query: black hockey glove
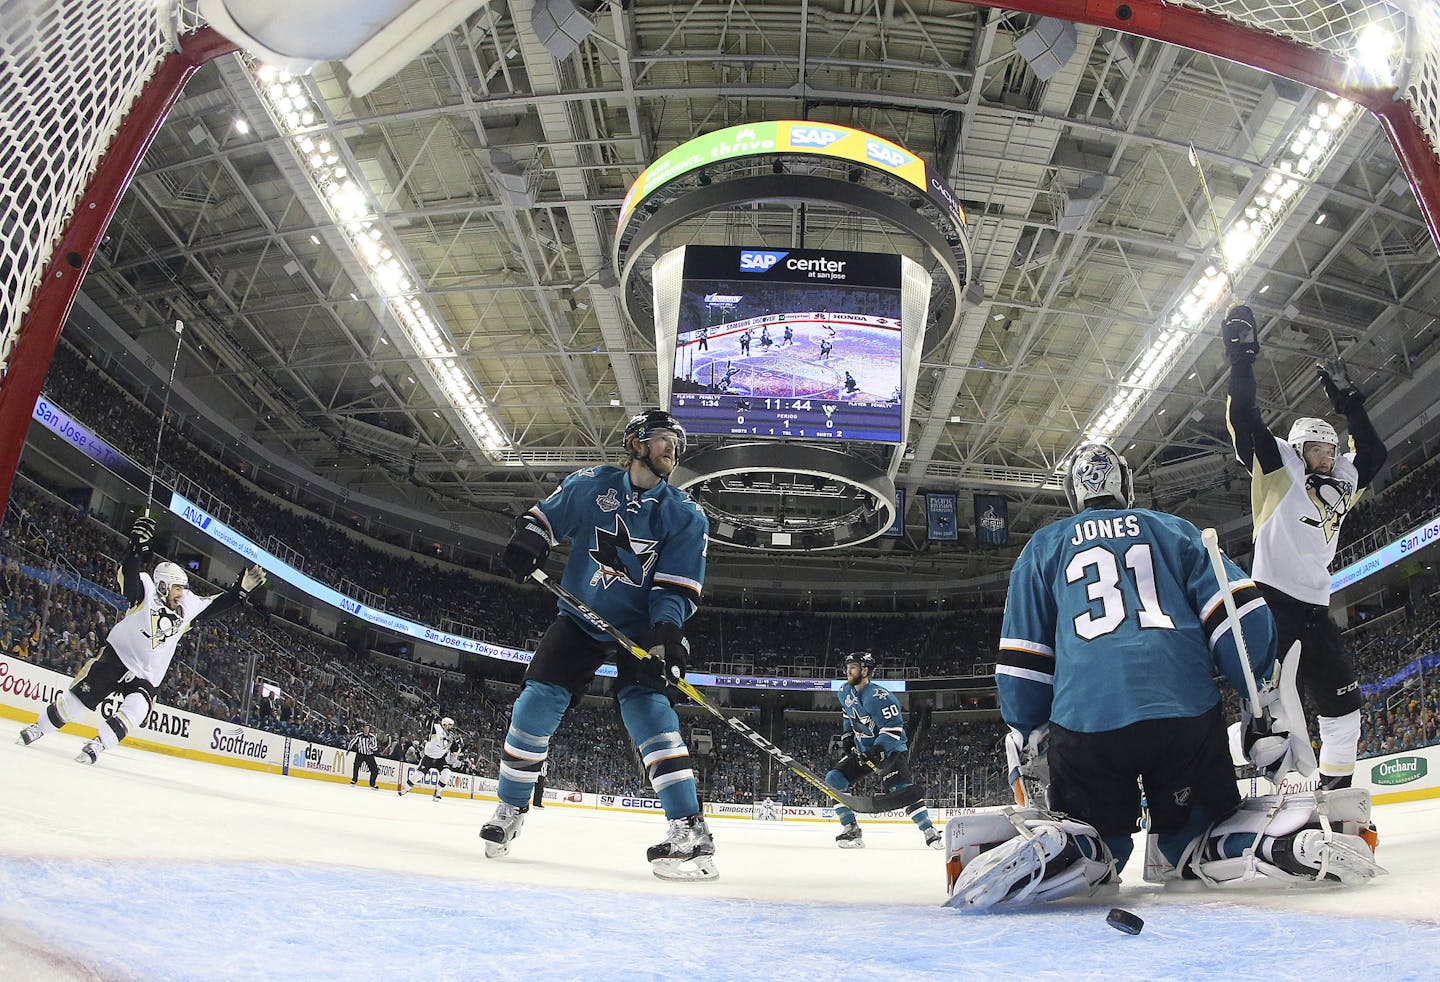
column 669, row 652
column 528, row 547
column 890, row 769
column 1344, row 394
column 1241, row 337
column 847, row 743
column 142, row 532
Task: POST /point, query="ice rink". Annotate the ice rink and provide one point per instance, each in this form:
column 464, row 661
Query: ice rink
column 154, row 867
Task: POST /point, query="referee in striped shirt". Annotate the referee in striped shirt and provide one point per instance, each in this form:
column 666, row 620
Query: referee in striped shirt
column 364, row 744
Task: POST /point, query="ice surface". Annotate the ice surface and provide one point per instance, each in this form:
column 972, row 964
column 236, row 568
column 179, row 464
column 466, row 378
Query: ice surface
column 153, row 867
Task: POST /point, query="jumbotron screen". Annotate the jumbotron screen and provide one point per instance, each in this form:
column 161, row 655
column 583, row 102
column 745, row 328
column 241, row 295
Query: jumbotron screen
column 789, row 343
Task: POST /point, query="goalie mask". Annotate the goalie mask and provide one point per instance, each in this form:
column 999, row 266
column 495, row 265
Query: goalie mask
column 1097, row 473
column 167, row 575
column 1308, row 429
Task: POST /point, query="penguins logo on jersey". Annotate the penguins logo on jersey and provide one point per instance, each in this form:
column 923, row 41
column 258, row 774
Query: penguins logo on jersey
column 164, row 624
column 619, row 557
column 1331, row 498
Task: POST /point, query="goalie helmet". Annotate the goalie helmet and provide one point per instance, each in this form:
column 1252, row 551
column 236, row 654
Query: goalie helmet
column 1098, row 471
column 170, row 574
column 641, row 425
column 1308, row 429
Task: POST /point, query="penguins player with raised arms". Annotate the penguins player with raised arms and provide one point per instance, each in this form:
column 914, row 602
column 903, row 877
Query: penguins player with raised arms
column 637, row 559
column 1301, row 490
column 139, row 649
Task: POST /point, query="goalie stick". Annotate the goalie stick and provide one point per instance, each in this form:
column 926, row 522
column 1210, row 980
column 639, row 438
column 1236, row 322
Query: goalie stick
column 863, row 803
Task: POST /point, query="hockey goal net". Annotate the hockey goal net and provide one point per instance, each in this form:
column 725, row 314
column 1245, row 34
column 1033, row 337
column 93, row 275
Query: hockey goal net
column 84, row 84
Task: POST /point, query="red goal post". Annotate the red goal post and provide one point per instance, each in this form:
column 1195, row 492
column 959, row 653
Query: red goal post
column 1307, row 41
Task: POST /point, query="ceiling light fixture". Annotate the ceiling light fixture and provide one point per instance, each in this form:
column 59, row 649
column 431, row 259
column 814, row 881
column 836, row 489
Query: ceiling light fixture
column 348, row 200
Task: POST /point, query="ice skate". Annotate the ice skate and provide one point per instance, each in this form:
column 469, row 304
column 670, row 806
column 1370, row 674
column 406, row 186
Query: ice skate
column 401, row 788
column 29, row 735
column 851, row 837
column 934, row 839
column 689, row 842
column 88, row 754
column 437, row 794
column 502, row 829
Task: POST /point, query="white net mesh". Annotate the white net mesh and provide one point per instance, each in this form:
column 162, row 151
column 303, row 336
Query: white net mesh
column 1336, row 26
column 69, row 70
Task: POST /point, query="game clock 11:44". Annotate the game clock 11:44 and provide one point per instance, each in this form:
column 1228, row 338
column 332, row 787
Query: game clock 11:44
column 795, row 418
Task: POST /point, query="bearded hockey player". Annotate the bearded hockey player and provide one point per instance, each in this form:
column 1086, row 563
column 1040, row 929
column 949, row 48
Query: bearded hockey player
column 637, row 558
column 1113, row 632
column 1301, row 490
column 874, row 743
column 138, row 650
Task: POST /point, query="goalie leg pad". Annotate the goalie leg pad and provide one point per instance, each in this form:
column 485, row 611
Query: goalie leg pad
column 1299, row 838
column 1046, row 858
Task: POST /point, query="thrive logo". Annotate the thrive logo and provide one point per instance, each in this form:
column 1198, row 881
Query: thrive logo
column 759, row 261
column 1401, row 770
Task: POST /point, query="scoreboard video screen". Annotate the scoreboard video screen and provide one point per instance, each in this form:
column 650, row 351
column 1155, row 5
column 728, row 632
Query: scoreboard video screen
column 792, row 343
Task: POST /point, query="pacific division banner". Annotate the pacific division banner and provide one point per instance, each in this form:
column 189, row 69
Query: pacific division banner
column 940, row 517
column 992, row 520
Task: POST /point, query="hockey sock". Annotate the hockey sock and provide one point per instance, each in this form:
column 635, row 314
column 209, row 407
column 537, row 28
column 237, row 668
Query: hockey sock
column 1173, row 843
column 1339, row 739
column 918, row 813
column 65, row 708
column 536, row 716
column 840, row 782
column 655, row 728
column 1120, row 847
column 111, row 731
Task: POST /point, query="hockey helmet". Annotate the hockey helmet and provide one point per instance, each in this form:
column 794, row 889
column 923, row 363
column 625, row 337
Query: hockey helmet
column 1308, row 429
column 864, row 659
column 642, row 424
column 169, row 574
column 447, row 722
column 1098, row 471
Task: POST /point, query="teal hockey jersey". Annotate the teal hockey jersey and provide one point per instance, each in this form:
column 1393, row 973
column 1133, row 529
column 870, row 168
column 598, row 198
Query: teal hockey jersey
column 637, row 557
column 1115, row 616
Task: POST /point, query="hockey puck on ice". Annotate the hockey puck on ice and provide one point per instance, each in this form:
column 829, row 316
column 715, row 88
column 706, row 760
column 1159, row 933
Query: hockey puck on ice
column 1123, row 920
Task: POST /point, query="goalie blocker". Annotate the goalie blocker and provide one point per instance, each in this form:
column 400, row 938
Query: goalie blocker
column 1019, row 857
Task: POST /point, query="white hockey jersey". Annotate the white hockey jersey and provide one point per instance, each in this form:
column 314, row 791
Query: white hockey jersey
column 148, row 634
column 1297, row 523
column 438, row 746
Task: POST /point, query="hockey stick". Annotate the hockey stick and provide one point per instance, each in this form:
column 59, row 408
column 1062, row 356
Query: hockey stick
column 855, row 802
column 1304, row 760
column 1194, row 159
column 165, row 408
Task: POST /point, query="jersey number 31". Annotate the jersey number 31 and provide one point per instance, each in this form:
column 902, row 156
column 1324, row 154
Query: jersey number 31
column 1106, row 589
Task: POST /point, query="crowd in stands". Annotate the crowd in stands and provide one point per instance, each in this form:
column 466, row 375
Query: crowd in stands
column 1409, row 500
column 312, row 687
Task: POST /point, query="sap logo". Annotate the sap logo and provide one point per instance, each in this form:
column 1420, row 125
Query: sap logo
column 888, row 156
column 813, row 136
column 196, row 517
column 755, row 261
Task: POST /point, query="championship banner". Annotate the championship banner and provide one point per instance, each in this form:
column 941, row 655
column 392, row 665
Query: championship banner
column 940, row 517
column 992, row 520
column 897, row 527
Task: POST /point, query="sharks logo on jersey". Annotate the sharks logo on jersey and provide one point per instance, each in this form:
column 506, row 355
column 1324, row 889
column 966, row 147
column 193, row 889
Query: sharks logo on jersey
column 164, row 624
column 1331, row 498
column 621, row 557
